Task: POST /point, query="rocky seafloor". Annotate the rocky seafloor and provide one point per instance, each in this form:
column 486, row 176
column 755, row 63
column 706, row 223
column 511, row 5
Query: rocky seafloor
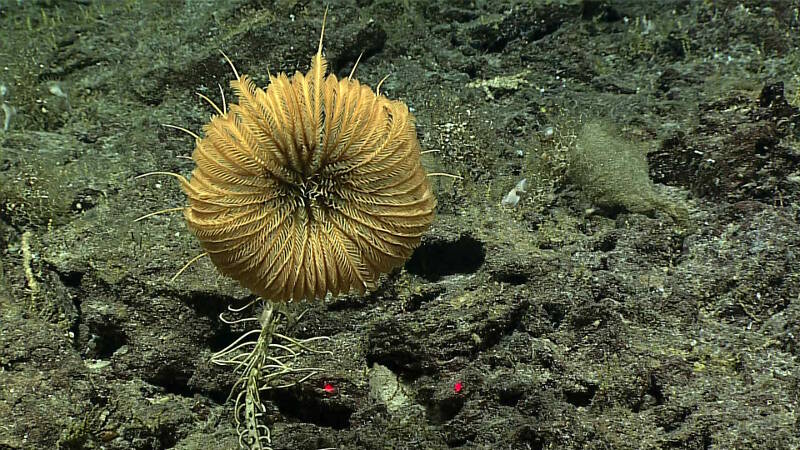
column 641, row 292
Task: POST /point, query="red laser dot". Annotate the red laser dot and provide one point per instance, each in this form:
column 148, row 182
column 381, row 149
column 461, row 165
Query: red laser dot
column 329, row 388
column 458, row 387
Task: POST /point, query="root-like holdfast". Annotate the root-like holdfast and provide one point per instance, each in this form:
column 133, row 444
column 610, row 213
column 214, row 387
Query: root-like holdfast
column 263, row 359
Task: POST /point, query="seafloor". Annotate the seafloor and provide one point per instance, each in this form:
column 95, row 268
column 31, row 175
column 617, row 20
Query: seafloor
column 644, row 293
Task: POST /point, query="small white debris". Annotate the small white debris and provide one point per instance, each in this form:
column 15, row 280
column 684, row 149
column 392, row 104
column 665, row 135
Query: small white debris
column 55, row 88
column 522, row 185
column 9, row 112
column 512, row 198
column 96, row 364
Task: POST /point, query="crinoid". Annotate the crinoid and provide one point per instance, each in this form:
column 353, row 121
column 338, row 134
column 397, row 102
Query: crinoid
column 311, row 186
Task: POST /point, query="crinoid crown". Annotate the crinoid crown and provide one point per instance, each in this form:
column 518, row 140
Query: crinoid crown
column 311, row 186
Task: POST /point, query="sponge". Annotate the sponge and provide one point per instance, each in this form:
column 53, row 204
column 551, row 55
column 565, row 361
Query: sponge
column 612, row 172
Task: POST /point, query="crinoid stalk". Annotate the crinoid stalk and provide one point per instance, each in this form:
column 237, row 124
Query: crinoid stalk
column 263, row 359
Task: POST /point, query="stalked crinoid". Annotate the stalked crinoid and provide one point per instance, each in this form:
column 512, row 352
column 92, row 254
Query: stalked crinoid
column 312, row 186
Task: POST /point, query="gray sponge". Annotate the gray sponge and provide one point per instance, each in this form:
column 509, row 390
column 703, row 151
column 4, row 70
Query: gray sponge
column 613, row 173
